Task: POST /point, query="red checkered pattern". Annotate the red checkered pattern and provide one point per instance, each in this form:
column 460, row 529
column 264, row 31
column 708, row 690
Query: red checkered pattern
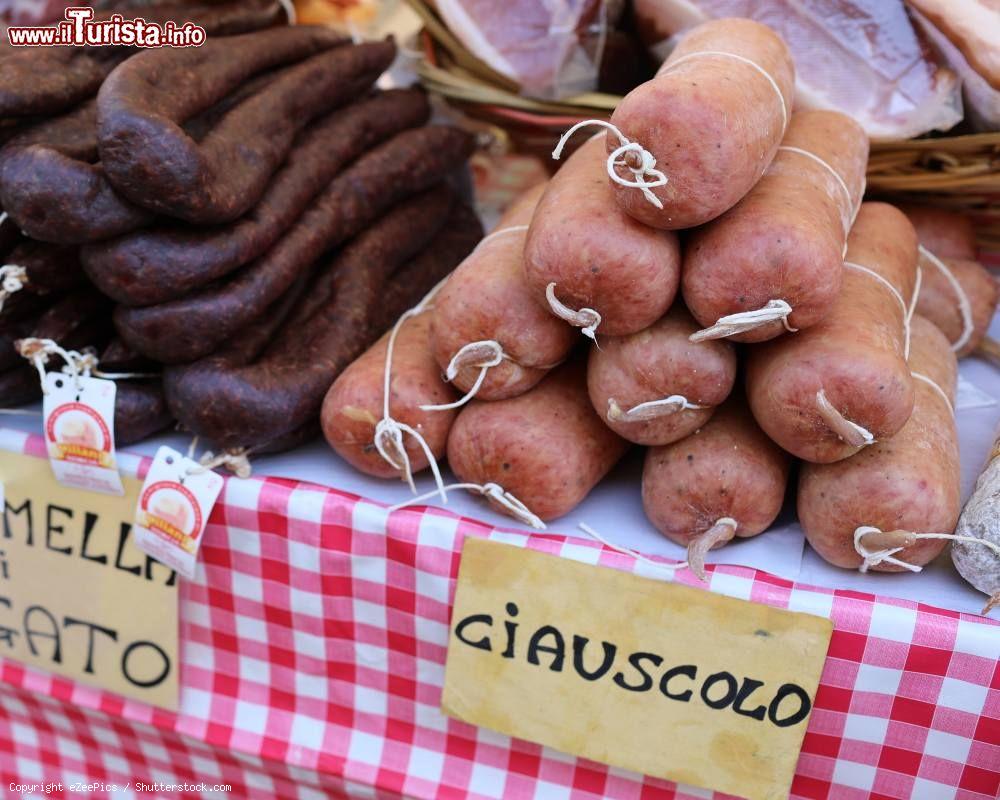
column 313, row 649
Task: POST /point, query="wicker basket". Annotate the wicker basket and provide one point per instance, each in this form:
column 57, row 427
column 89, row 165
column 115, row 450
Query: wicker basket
column 954, row 171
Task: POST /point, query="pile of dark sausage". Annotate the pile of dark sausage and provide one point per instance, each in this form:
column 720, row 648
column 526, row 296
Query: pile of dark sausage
column 847, row 325
column 243, row 218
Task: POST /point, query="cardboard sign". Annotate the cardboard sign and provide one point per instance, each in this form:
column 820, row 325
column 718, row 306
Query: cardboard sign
column 174, row 503
column 655, row 677
column 76, row 595
column 78, row 416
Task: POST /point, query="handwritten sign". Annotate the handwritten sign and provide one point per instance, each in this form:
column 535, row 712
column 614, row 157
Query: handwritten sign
column 655, row 677
column 76, row 595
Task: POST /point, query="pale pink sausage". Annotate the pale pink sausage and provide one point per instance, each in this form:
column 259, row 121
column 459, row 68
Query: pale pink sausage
column 628, row 375
column 547, row 447
column 487, row 299
column 597, row 256
column 726, row 479
column 785, row 240
column 818, row 393
column 354, row 405
column 712, row 122
column 941, row 302
column 909, row 483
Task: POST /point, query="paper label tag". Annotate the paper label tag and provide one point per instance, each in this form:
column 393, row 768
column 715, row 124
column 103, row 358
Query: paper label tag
column 660, row 678
column 173, row 509
column 79, row 422
column 76, row 596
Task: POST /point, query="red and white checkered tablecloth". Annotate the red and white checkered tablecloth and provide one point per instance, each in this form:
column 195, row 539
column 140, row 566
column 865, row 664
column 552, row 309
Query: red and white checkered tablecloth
column 313, row 644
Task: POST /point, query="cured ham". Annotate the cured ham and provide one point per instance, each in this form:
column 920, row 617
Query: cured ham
column 860, row 57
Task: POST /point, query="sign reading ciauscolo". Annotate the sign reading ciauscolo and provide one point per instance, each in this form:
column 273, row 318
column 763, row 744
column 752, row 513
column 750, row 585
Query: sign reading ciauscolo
column 76, row 596
column 656, row 677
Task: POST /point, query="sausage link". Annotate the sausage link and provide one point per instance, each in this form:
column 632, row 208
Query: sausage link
column 907, row 484
column 826, row 392
column 547, row 447
column 220, row 178
column 283, row 389
column 628, row 375
column 169, row 260
column 190, row 328
column 712, row 122
column 488, row 299
column 785, row 240
column 597, row 256
column 726, row 472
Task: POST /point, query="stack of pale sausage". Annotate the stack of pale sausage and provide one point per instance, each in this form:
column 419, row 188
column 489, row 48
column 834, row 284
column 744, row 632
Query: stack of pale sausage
column 790, row 321
column 249, row 215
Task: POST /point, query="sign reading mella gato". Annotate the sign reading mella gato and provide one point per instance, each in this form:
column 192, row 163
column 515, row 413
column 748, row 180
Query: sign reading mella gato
column 656, row 677
column 76, row 595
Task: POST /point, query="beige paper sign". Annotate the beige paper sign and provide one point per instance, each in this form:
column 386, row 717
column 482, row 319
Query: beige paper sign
column 76, row 595
column 655, row 677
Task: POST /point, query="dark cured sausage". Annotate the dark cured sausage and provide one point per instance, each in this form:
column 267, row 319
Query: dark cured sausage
column 154, row 164
column 168, row 261
column 187, row 329
column 39, row 81
column 140, row 410
column 284, row 388
column 53, row 185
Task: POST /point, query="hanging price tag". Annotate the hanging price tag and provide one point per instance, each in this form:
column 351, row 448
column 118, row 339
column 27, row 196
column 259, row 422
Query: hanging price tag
column 173, row 509
column 79, row 423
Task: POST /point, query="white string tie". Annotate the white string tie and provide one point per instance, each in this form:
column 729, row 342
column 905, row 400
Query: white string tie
column 237, row 461
column 774, row 84
column 12, row 279
column 852, row 433
column 964, row 306
column 485, row 355
column 744, row 321
column 493, row 491
column 586, row 318
column 628, row 551
column 907, row 309
column 37, row 351
column 921, row 377
column 388, row 438
column 87, row 364
column 849, row 211
column 646, row 168
column 886, row 555
column 650, row 410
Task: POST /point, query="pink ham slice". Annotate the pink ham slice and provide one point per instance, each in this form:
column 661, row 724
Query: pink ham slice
column 551, row 49
column 861, row 57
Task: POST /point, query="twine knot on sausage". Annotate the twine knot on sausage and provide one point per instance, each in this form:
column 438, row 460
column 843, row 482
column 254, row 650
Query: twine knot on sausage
column 744, row 321
column 485, row 355
column 585, row 318
column 12, row 279
column 720, row 532
column 388, row 438
column 37, row 351
column 492, row 491
column 650, row 410
column 236, row 460
column 641, row 163
column 886, row 544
